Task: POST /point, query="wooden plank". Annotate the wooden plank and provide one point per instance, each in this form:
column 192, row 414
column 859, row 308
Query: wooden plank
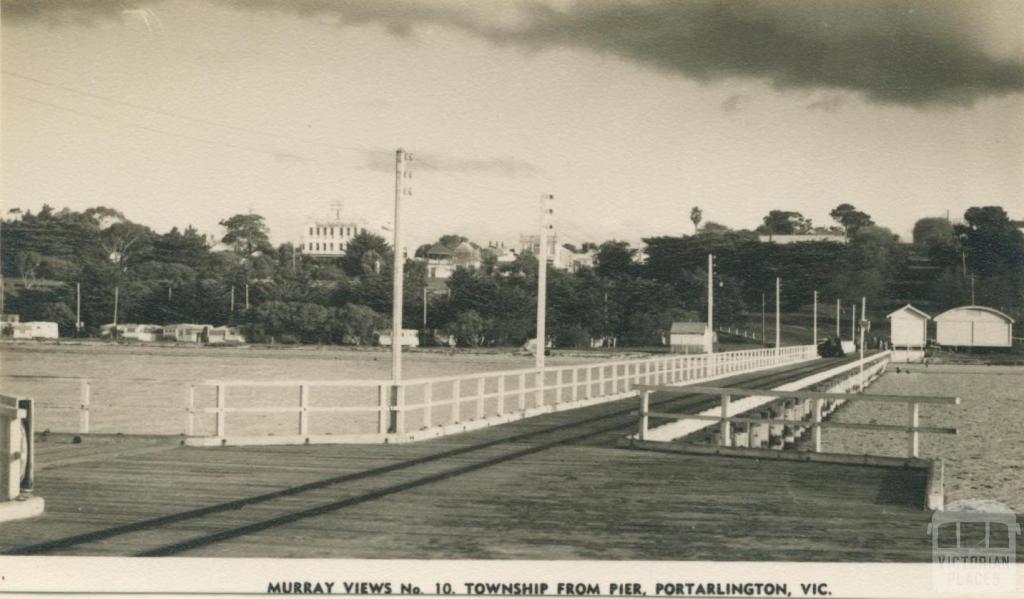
column 739, row 391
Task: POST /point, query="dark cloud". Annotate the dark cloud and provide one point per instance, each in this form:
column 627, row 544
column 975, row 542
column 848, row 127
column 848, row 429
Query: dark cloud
column 909, row 52
column 429, row 162
column 83, row 12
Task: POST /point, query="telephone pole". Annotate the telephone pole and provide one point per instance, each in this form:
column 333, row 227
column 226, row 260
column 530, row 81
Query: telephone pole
column 399, row 263
column 778, row 318
column 838, row 317
column 113, row 331
column 711, row 294
column 78, row 308
column 246, row 296
column 853, row 324
column 542, row 278
column 764, row 320
column 815, row 317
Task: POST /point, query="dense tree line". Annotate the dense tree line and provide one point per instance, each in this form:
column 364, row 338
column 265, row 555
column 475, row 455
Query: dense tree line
column 631, row 295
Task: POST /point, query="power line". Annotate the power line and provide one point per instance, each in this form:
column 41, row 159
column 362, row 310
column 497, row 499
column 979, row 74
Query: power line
column 186, row 117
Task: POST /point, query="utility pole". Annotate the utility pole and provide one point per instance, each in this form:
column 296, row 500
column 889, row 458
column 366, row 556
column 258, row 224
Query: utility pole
column 711, row 294
column 764, row 321
column 232, row 299
column 864, row 320
column 399, row 265
column 973, row 303
column 542, row 278
column 778, row 318
column 113, row 331
column 815, row 317
column 853, row 324
column 246, row 296
column 838, row 315
column 78, row 308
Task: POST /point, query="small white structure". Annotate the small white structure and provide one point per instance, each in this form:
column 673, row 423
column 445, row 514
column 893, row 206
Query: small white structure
column 37, row 329
column 188, row 333
column 410, row 338
column 974, row 326
column 224, row 336
column 692, row 338
column 138, row 332
column 908, row 331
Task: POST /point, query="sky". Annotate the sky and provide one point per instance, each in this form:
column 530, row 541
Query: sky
column 182, row 112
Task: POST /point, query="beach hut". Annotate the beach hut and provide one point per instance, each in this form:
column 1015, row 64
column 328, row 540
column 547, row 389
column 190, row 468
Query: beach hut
column 974, row 326
column 692, row 338
column 908, row 333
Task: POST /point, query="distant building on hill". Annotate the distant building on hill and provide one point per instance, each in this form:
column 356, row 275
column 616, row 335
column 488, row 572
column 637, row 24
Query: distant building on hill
column 787, row 239
column 328, row 237
column 442, row 261
column 559, row 256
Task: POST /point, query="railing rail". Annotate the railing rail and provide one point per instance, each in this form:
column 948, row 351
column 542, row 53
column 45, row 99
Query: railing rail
column 810, row 413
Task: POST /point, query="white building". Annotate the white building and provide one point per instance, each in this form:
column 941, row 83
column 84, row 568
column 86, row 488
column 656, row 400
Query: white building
column 36, row 329
column 692, row 338
column 224, row 336
column 908, row 332
column 138, row 332
column 410, row 338
column 329, row 236
column 559, row 256
column 974, row 326
column 187, row 333
column 442, row 261
column 801, row 238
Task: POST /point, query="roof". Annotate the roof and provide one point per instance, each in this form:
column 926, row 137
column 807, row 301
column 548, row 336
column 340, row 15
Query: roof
column 980, row 308
column 440, row 250
column 909, row 308
column 688, row 328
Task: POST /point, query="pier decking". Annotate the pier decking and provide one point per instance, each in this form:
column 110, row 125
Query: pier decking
column 549, row 487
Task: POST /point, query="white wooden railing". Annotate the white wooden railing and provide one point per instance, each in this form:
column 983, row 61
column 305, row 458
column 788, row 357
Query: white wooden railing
column 381, row 411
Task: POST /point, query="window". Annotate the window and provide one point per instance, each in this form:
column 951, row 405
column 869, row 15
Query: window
column 311, row 230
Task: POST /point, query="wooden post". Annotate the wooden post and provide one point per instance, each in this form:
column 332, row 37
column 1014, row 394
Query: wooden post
column 190, row 404
column 726, row 428
column 817, row 424
column 303, row 410
column 399, row 408
column 540, row 383
column 645, row 402
column 522, row 392
column 382, row 409
column 221, row 400
column 586, row 383
column 600, row 381
column 558, row 382
column 913, row 413
column 456, row 412
column 428, row 405
column 480, row 386
column 85, row 392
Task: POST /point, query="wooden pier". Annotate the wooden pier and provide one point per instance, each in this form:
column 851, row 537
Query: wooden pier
column 550, row 487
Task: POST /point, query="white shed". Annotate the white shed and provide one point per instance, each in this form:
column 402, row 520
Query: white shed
column 908, row 327
column 691, row 338
column 974, row 326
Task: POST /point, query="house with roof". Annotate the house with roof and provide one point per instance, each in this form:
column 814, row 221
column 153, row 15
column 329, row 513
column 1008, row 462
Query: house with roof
column 442, row 260
column 692, row 338
column 974, row 326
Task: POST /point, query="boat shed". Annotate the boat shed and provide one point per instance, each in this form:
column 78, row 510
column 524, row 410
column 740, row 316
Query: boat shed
column 908, row 327
column 974, row 326
column 692, row 338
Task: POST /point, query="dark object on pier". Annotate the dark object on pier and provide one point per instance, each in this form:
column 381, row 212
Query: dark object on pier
column 831, row 347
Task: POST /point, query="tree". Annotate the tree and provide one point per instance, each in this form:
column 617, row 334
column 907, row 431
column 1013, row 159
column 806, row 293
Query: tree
column 850, row 218
column 696, row 215
column 614, row 259
column 468, row 328
column 247, row 234
column 366, row 254
column 713, row 228
column 933, row 230
column 785, row 222
column 994, row 249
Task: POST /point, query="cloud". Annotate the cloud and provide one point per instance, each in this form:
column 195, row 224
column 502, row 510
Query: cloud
column 733, row 103
column 384, row 161
column 829, row 103
column 902, row 52
column 80, row 12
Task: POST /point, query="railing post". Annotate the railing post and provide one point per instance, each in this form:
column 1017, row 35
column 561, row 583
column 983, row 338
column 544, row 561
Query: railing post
column 480, row 386
column 221, row 404
column 522, row 392
column 645, row 402
column 600, row 381
column 428, row 405
column 303, row 410
column 575, row 384
column 397, row 409
column 817, row 424
column 913, row 409
column 383, row 403
column 501, row 394
column 726, row 428
column 541, row 382
column 558, row 390
column 456, row 401
column 190, row 404
column 85, row 393
column 586, row 383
